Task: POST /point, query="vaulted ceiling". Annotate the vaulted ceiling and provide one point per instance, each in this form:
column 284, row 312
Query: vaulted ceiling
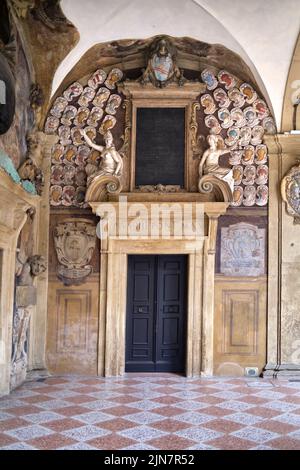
column 264, row 33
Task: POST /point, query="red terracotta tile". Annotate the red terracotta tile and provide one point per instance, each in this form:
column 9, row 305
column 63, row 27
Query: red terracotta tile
column 47, row 389
column 231, row 443
column 121, row 410
column 255, row 400
column 284, row 443
column 56, row 381
column 286, row 390
column 127, row 382
column 171, row 442
column 60, row 425
column 166, row 400
column 91, row 381
column 12, row 423
column 125, row 399
column 128, row 390
column 37, row 399
column 167, row 390
column 52, row 442
column 6, row 440
column 244, row 389
column 87, row 389
column 223, row 425
column 111, row 442
column 169, row 411
column 24, row 410
column 276, row 426
column 209, row 399
column 206, row 390
column 170, row 425
column 217, row 411
column 115, row 425
column 292, row 399
column 264, row 412
column 72, row 410
column 81, row 399
column 166, row 382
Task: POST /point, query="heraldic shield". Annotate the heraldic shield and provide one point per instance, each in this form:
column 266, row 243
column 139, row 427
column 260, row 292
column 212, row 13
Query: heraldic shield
column 74, row 243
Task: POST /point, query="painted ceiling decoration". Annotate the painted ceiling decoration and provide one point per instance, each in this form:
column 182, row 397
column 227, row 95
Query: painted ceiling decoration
column 230, row 108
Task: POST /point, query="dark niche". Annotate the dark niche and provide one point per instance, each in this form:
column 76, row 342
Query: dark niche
column 160, row 146
column 7, row 96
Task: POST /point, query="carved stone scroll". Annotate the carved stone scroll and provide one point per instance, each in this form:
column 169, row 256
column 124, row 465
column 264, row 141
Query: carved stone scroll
column 101, row 186
column 219, row 188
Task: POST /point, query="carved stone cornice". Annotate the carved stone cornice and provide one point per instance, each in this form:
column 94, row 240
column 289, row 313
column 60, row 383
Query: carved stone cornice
column 190, row 91
column 283, row 144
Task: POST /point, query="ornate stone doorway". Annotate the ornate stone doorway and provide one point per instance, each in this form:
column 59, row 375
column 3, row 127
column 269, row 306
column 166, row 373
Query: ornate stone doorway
column 200, row 290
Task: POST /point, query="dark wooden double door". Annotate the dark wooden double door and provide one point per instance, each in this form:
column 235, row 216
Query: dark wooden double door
column 156, row 313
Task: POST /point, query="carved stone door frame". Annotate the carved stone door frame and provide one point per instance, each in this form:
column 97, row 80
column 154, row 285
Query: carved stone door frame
column 16, row 202
column 200, row 292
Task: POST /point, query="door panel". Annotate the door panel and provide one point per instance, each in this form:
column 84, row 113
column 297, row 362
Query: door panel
column 240, row 324
column 156, row 313
column 139, row 331
column 72, row 335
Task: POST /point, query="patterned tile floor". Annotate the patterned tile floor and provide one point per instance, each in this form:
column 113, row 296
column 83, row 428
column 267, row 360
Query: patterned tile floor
column 151, row 411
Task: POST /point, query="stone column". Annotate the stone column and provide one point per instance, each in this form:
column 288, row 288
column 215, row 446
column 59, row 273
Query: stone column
column 39, row 318
column 283, row 339
column 208, row 296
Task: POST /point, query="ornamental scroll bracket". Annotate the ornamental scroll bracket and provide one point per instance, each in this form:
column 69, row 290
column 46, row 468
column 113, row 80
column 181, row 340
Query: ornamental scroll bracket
column 290, row 192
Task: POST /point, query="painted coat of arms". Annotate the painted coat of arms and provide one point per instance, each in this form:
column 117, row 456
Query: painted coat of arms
column 242, row 250
column 290, row 192
column 161, row 67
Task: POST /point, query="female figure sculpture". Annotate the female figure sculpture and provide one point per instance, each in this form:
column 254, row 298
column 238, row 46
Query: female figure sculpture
column 111, row 161
column 209, row 163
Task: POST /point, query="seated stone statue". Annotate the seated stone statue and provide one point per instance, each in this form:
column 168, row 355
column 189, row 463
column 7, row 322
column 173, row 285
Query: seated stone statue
column 111, row 161
column 209, row 163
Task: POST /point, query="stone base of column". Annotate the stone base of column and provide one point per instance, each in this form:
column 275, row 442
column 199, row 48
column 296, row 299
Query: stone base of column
column 282, row 370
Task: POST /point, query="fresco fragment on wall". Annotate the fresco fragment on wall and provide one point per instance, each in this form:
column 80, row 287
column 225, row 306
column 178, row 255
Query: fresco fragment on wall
column 243, row 250
column 94, row 108
column 234, row 111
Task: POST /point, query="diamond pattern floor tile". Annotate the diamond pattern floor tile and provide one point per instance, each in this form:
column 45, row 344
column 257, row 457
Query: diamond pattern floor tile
column 151, row 411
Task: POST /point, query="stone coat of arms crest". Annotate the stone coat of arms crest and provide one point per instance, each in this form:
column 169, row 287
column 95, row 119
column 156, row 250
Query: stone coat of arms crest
column 74, row 243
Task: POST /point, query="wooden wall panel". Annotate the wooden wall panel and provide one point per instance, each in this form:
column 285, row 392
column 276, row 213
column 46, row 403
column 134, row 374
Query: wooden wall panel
column 72, row 334
column 73, row 311
column 240, row 324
